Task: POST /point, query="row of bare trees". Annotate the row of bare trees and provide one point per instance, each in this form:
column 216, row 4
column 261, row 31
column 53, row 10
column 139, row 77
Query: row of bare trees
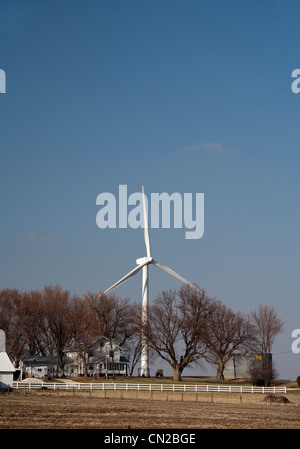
column 184, row 327
column 43, row 322
column 187, row 326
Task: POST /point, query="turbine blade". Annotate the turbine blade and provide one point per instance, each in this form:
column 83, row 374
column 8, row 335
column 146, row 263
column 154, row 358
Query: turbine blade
column 173, row 273
column 146, row 229
column 126, row 277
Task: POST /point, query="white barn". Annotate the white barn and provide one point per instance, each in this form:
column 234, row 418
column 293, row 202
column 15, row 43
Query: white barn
column 6, row 367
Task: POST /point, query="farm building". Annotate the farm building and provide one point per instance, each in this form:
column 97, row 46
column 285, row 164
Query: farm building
column 239, row 366
column 99, row 358
column 96, row 359
column 6, row 367
column 38, row 366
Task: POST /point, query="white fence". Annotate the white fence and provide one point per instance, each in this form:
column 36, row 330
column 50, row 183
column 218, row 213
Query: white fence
column 146, row 387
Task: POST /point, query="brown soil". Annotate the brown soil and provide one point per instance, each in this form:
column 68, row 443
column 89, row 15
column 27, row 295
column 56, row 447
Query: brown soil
column 49, row 410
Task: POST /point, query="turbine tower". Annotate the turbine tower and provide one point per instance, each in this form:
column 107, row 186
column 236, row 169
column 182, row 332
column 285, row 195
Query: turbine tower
column 143, row 264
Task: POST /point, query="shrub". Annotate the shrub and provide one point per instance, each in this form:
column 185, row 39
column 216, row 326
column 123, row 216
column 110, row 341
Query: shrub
column 261, row 377
column 298, row 381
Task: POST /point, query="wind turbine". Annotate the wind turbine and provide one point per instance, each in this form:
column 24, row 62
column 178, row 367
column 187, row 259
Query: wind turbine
column 143, row 264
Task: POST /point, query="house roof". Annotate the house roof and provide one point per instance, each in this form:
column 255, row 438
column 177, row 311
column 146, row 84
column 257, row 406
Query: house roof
column 123, row 359
column 5, row 363
column 41, row 360
column 78, row 343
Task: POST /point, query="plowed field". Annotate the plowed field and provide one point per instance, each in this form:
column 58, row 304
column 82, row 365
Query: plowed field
column 47, row 410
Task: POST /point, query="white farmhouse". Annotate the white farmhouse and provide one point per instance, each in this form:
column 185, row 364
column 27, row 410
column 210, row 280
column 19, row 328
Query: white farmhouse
column 99, row 358
column 6, row 367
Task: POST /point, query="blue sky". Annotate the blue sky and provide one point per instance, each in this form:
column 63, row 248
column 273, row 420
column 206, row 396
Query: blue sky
column 181, row 96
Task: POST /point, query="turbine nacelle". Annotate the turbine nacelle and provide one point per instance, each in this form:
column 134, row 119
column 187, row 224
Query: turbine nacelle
column 144, row 260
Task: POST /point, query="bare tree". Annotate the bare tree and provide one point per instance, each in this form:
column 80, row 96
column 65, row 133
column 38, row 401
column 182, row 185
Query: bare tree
column 84, row 328
column 29, row 312
column 56, row 313
column 10, row 322
column 227, row 334
column 133, row 350
column 115, row 317
column 267, row 326
column 175, row 326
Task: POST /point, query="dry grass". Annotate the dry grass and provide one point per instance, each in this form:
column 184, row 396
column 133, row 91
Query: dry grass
column 120, row 409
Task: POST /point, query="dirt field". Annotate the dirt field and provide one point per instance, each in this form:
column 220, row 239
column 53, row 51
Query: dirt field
column 49, row 410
